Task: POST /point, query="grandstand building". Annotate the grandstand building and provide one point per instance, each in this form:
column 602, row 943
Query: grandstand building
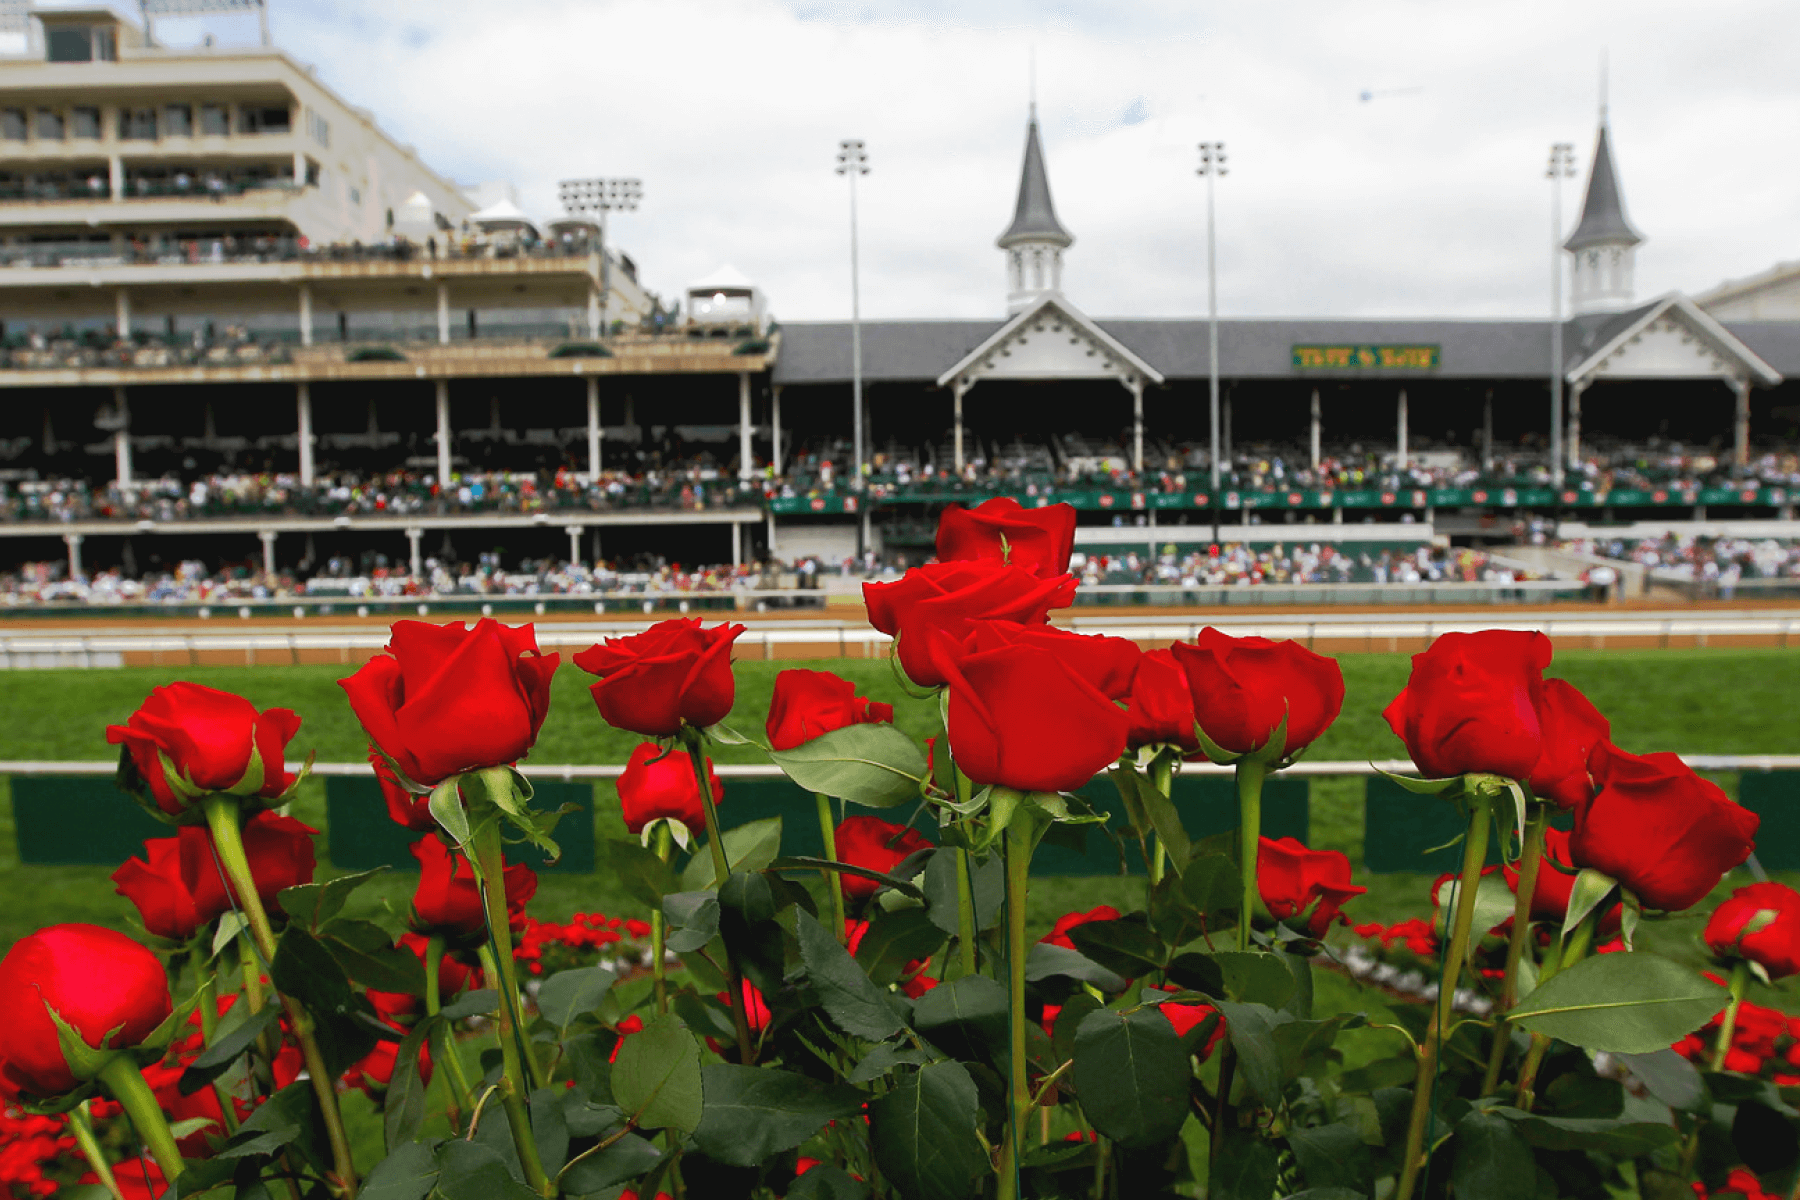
column 242, row 323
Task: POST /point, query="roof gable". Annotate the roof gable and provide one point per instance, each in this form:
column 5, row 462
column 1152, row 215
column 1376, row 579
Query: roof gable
column 1051, row 340
column 1672, row 339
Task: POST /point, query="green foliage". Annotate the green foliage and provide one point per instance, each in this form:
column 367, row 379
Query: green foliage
column 1132, row 1076
column 874, row 765
column 923, row 1133
column 753, row 1113
column 656, row 1077
column 1625, row 1003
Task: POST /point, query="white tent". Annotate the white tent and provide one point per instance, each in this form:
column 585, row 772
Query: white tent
column 502, row 216
column 414, row 218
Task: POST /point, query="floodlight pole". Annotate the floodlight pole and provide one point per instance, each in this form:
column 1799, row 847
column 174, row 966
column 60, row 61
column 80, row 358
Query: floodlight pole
column 1562, row 166
column 852, row 161
column 601, row 196
column 1212, row 165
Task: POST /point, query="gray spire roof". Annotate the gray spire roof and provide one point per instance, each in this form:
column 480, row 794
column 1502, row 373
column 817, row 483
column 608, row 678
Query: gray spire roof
column 1603, row 212
column 1034, row 220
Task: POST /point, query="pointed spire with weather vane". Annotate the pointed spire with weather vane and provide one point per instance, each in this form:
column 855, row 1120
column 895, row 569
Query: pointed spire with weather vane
column 1035, row 240
column 1604, row 244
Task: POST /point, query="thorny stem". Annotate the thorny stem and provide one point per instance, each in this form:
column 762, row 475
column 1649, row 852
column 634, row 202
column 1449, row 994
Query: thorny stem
column 659, row 927
column 695, row 741
column 457, row 1083
column 1531, row 859
column 126, row 1083
column 1250, row 774
column 833, row 882
column 1571, row 954
column 1018, row 873
column 82, row 1126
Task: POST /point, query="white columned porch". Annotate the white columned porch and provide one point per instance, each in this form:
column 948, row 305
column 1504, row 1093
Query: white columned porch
column 593, row 428
column 443, row 432
column 122, row 439
column 746, row 467
column 303, row 411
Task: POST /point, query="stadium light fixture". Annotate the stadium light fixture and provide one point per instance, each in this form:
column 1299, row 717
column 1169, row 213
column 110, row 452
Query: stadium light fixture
column 853, row 161
column 601, row 196
column 1561, row 167
column 1212, row 166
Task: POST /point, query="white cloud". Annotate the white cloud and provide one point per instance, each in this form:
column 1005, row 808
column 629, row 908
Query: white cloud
column 1426, row 202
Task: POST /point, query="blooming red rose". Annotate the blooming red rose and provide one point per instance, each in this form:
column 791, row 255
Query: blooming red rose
column 806, row 704
column 1243, row 688
column 447, row 902
column 1471, row 704
column 1109, row 663
column 942, row 596
column 658, row 782
column 1059, row 932
column 445, row 699
column 108, row 987
column 1002, row 530
column 1571, row 727
column 406, row 809
column 1291, row 878
column 211, row 741
column 876, row 845
column 1661, row 830
column 1024, row 716
column 1760, row 922
column 176, row 885
column 671, row 674
column 1161, row 708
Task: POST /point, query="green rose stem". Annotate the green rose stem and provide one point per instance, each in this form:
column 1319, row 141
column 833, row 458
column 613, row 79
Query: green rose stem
column 1574, row 952
column 126, row 1083
column 1018, row 875
column 661, row 844
column 82, row 1126
column 965, row 886
column 1250, row 774
column 1531, row 859
column 1475, row 846
column 1740, row 983
column 222, row 816
column 497, row 959
column 1162, row 777
column 833, row 883
column 695, row 741
column 209, row 1024
column 457, row 1084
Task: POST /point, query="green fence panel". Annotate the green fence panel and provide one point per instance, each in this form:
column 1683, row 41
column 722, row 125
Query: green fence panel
column 1403, row 831
column 79, row 820
column 1775, row 797
column 360, row 836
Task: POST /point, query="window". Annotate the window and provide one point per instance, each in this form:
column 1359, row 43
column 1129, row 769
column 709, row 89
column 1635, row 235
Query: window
column 49, row 125
column 262, row 119
column 13, row 126
column 69, row 45
column 106, row 45
column 84, row 121
column 178, row 120
column 137, row 124
column 356, row 195
column 318, row 128
column 215, row 120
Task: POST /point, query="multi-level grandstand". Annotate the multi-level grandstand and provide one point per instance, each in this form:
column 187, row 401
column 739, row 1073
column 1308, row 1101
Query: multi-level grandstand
column 252, row 342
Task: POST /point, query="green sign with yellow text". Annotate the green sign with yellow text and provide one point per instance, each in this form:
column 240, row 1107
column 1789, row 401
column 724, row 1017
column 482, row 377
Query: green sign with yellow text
column 1365, row 358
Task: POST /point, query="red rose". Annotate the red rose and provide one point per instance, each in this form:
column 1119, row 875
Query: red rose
column 448, row 903
column 1243, row 688
column 1550, row 898
column 806, row 704
column 942, row 596
column 375, row 1070
column 1290, row 878
column 1471, row 704
column 212, row 740
column 1185, row 1017
column 875, row 845
column 406, row 809
column 1059, row 932
column 659, row 783
column 671, row 674
column 914, row 982
column 1760, row 922
column 176, row 885
column 1571, row 728
column 1002, row 530
column 453, row 976
column 1659, row 829
column 1024, row 716
column 1161, row 711
column 108, row 987
column 1109, row 663
column 446, row 699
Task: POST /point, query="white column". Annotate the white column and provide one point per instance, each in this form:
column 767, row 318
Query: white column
column 593, row 430
column 122, row 312
column 303, row 407
column 1742, row 424
column 593, row 312
column 122, row 438
column 443, row 297
column 574, row 532
column 1315, row 429
column 957, row 389
column 1487, row 431
column 299, row 169
column 413, row 560
column 443, row 432
column 774, row 547
column 1574, row 438
column 115, row 173
column 1401, row 457
column 306, row 332
column 775, row 427
column 268, row 545
column 737, row 544
column 73, row 542
column 745, row 466
column 1137, row 424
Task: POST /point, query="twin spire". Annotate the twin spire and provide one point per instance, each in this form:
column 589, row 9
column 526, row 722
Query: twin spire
column 1035, row 240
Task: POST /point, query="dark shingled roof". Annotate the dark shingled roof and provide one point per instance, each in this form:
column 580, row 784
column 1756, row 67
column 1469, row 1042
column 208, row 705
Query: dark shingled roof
column 1034, row 220
column 1603, row 212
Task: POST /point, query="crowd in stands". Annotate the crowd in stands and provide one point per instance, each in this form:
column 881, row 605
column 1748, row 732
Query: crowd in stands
column 1239, row 564
column 1723, row 560
column 234, row 345
column 468, row 242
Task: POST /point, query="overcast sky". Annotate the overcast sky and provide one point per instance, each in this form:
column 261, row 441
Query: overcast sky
column 1429, row 199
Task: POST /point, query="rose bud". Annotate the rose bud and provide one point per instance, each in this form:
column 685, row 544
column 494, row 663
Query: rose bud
column 658, row 782
column 1059, row 932
column 1243, row 690
column 806, row 704
column 1471, row 704
column 1290, row 878
column 453, row 976
column 406, row 809
column 1761, row 923
column 1571, row 727
column 108, row 988
column 673, row 673
column 176, row 885
column 943, row 596
column 1161, row 708
column 875, row 845
column 187, row 741
column 448, row 904
column 446, row 699
column 1659, row 829
column 1002, row 530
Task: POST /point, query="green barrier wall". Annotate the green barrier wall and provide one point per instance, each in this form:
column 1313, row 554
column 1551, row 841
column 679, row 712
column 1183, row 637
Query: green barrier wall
column 1403, row 831
column 360, row 836
column 1775, row 797
column 79, row 820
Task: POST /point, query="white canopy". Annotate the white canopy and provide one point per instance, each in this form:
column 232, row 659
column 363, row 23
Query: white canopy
column 502, row 214
column 726, row 279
